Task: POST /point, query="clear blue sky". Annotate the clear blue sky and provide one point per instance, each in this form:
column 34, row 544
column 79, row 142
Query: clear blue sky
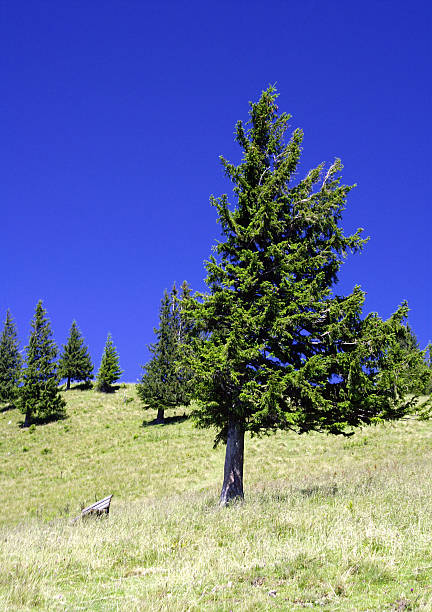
column 113, row 118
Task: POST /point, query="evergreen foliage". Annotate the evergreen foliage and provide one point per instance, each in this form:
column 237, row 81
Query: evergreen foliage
column 428, row 361
column 415, row 371
column 165, row 381
column 10, row 361
column 39, row 396
column 187, row 329
column 109, row 371
column 75, row 362
column 278, row 348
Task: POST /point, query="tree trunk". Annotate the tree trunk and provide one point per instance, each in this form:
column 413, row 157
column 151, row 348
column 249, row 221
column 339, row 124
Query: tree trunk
column 68, row 384
column 27, row 420
column 160, row 416
column 232, row 487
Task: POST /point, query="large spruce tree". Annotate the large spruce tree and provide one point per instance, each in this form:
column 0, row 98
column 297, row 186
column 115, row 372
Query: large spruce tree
column 109, row 370
column 39, row 396
column 75, row 362
column 278, row 347
column 165, row 381
column 10, row 361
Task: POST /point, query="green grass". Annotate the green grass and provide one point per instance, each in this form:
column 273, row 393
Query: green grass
column 328, row 523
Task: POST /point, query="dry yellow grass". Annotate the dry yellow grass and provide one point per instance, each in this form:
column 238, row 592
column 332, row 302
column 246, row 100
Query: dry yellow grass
column 328, row 523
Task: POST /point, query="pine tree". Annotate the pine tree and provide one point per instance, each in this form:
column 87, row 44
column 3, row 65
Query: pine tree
column 165, row 381
column 10, row 361
column 278, row 348
column 109, row 371
column 75, row 363
column 39, row 396
column 415, row 371
column 428, row 361
column 187, row 330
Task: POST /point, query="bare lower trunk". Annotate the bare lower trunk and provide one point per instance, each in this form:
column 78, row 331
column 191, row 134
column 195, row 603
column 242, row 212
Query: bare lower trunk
column 68, row 384
column 232, row 487
column 27, row 420
column 103, row 387
column 160, row 416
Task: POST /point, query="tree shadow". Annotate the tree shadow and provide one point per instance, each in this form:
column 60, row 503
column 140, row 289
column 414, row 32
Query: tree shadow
column 285, row 495
column 108, row 390
column 7, row 408
column 170, row 420
column 324, row 490
column 44, row 421
column 83, row 386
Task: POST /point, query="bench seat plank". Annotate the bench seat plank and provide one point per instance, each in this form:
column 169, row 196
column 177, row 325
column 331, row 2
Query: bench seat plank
column 99, row 507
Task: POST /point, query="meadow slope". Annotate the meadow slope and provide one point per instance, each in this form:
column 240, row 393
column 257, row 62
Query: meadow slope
column 328, row 523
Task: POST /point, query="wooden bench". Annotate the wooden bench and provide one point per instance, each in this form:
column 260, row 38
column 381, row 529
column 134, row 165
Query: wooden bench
column 97, row 509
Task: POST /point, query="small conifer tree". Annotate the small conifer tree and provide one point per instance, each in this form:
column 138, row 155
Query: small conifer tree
column 428, row 361
column 109, row 371
column 187, row 330
column 75, row 363
column 10, row 361
column 164, row 383
column 39, row 396
column 415, row 371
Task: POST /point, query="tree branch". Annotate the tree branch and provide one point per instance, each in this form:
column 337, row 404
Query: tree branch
column 326, row 178
column 260, row 179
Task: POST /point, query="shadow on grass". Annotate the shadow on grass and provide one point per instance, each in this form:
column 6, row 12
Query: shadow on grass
column 170, row 420
column 7, row 408
column 49, row 419
column 83, row 386
column 107, row 390
column 282, row 496
column 321, row 490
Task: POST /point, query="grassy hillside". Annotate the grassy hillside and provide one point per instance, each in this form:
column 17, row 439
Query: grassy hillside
column 328, row 523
